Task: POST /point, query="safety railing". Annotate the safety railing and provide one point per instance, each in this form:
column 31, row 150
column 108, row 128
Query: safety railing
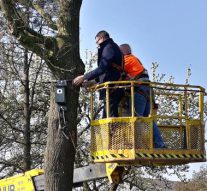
column 179, row 116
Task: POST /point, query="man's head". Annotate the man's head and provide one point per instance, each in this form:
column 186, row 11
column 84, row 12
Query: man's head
column 101, row 37
column 125, row 49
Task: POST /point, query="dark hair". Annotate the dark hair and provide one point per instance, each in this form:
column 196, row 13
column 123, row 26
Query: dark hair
column 103, row 34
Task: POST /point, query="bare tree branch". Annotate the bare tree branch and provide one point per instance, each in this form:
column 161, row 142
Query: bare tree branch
column 9, row 124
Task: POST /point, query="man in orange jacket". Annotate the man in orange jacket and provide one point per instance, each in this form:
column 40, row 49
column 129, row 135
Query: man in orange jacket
column 136, row 71
column 132, row 65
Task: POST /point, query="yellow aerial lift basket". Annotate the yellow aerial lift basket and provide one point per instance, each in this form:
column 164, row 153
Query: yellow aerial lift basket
column 128, row 140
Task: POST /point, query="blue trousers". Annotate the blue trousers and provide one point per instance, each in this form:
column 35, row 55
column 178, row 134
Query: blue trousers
column 142, row 108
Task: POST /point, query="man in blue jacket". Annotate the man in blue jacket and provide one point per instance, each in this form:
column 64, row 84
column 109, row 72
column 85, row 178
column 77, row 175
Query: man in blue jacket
column 108, row 53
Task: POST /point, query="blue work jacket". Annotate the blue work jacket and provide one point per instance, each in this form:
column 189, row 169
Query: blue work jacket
column 108, row 53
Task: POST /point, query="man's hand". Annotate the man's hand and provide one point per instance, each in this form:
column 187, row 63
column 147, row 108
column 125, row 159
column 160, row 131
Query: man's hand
column 87, row 84
column 78, row 80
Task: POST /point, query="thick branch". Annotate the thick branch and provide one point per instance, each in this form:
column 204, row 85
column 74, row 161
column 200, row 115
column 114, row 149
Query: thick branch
column 45, row 16
column 40, row 10
column 34, row 41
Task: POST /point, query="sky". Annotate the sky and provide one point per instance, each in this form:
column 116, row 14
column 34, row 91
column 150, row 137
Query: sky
column 172, row 33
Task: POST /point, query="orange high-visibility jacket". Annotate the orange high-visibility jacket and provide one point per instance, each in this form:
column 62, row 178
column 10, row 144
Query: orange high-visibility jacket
column 132, row 65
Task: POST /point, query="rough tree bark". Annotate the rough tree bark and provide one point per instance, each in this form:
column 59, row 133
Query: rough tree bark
column 61, row 53
column 113, row 187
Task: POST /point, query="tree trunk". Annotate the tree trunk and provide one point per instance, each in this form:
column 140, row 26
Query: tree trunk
column 61, row 53
column 26, row 135
column 60, row 151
